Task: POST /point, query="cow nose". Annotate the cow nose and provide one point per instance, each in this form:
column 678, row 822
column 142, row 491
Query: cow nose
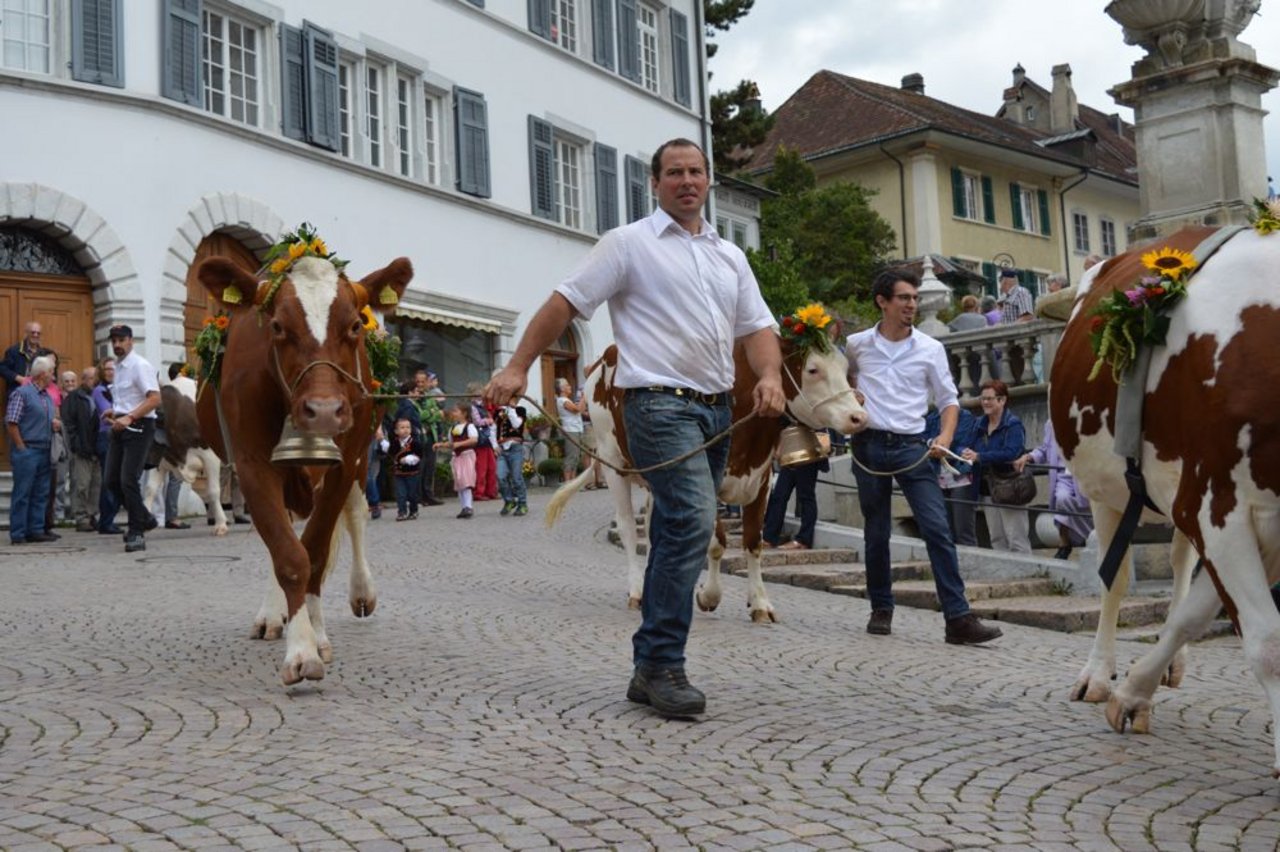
column 324, row 416
column 858, row 422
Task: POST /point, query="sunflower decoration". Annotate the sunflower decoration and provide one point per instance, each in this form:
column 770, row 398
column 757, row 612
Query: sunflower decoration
column 280, row 258
column 1139, row 316
column 1266, row 216
column 383, row 349
column 806, row 329
column 211, row 344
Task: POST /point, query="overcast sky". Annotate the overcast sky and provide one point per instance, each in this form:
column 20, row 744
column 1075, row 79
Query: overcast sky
column 966, row 49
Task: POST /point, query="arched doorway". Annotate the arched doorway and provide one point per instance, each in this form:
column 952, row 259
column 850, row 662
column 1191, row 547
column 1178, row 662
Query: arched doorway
column 199, row 304
column 560, row 361
column 41, row 282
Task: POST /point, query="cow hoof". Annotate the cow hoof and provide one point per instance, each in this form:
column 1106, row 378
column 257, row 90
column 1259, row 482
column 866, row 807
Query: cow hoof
column 763, row 616
column 707, row 603
column 1091, row 689
column 364, row 607
column 633, row 603
column 267, row 629
column 1172, row 677
column 220, row 530
column 1136, row 714
column 300, row 670
column 326, row 654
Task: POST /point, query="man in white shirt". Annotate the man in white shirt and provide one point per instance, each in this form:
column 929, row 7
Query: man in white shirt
column 679, row 297
column 135, row 395
column 899, row 371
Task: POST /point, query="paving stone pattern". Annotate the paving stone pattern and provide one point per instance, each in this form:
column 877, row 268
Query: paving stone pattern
column 483, row 707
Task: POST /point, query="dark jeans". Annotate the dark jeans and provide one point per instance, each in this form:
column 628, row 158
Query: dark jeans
column 887, row 451
column 407, row 493
column 660, row 427
column 372, row 496
column 108, row 500
column 30, row 496
column 964, row 516
column 803, row 480
column 511, row 474
column 125, row 458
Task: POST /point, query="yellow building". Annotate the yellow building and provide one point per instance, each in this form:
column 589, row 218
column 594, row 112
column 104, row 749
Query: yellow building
column 1038, row 187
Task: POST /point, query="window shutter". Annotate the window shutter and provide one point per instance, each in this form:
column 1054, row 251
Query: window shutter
column 479, row 3
column 628, row 40
column 322, row 89
column 988, row 201
column 540, row 18
column 542, row 164
column 1015, row 199
column 471, row 126
column 680, row 55
column 1043, row 198
column 957, row 192
column 95, row 42
column 606, row 188
column 602, row 32
column 293, row 89
column 636, row 196
column 180, row 77
column 989, row 272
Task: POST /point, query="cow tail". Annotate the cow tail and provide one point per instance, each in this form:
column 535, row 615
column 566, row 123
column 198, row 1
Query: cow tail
column 564, row 494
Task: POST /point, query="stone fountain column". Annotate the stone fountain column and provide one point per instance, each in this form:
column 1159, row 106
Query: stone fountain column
column 1197, row 102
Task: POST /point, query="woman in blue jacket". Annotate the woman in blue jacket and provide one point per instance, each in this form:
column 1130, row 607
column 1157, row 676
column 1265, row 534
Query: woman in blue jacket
column 994, row 442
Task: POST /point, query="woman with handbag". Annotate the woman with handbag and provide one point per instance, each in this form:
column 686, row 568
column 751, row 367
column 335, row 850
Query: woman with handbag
column 993, row 443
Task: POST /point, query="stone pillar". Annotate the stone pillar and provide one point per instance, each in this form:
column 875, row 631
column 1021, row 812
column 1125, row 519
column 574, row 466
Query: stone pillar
column 926, row 235
column 1197, row 101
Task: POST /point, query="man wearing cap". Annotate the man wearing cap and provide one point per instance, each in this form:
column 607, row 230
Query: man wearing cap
column 135, row 395
column 1015, row 300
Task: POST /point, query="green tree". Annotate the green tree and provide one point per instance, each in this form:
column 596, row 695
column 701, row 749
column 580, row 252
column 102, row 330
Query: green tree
column 738, row 125
column 781, row 284
column 720, row 15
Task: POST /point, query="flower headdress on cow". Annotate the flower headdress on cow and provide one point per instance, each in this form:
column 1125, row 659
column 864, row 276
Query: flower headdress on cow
column 1128, row 319
column 1266, row 216
column 281, row 257
column 806, row 329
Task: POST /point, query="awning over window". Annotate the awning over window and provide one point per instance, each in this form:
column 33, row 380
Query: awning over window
column 446, row 317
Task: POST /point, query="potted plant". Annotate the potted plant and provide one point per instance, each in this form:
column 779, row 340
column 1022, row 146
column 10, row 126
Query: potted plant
column 539, row 427
column 550, row 469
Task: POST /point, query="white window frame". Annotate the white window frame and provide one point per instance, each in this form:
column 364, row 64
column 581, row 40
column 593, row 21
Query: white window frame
column 250, row 103
column 565, row 24
column 1080, row 231
column 375, row 113
column 347, row 108
column 569, row 180
column 972, row 183
column 647, row 18
column 1029, row 203
column 406, row 104
column 434, row 110
column 1107, row 246
column 9, row 36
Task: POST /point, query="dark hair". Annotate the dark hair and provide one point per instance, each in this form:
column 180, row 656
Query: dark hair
column 655, row 165
column 1001, row 389
column 884, row 282
column 407, row 385
column 174, row 369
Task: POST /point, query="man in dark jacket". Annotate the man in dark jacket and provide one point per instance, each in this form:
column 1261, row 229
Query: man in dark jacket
column 16, row 365
column 80, row 426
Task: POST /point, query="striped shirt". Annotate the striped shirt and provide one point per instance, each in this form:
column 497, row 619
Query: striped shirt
column 1014, row 304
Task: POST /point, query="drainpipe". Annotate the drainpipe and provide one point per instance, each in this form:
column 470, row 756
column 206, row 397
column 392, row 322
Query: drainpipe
column 1066, row 231
column 704, row 105
column 902, row 196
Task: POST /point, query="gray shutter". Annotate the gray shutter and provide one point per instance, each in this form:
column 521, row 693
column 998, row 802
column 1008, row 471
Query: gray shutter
column 606, row 188
column 1043, row 198
column 628, row 40
column 322, row 89
column 95, row 42
column 540, row 18
column 988, row 201
column 542, row 165
column 180, row 49
column 990, row 272
column 680, row 57
column 602, row 32
column 636, row 196
column 957, row 193
column 1015, row 199
column 293, row 89
column 471, row 128
column 479, row 3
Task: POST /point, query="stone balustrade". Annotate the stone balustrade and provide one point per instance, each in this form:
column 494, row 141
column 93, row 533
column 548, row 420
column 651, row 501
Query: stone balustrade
column 1005, row 352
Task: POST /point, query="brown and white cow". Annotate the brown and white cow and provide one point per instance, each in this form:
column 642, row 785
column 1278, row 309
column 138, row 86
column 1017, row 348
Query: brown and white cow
column 185, row 452
column 1210, row 453
column 300, row 354
column 818, row 395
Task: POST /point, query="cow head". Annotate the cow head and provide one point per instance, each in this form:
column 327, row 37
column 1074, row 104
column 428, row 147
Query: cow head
column 816, row 383
column 315, row 331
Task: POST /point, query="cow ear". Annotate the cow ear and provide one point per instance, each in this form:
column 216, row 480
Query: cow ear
column 387, row 285
column 228, row 283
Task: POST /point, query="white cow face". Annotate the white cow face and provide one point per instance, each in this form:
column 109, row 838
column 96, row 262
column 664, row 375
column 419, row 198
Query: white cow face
column 818, row 393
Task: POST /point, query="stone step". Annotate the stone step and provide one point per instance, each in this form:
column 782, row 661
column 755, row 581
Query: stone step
column 1069, row 614
column 922, row 594
column 735, row 561
column 833, row 577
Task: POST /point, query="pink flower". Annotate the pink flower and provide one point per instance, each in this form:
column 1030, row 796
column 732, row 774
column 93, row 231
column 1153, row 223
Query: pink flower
column 1150, row 280
column 1136, row 296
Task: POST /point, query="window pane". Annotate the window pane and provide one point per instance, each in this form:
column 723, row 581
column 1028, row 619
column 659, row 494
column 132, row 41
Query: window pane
column 373, row 112
column 344, row 108
column 648, row 24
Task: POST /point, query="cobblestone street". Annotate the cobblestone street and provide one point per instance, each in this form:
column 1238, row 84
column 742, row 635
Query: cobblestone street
column 482, row 706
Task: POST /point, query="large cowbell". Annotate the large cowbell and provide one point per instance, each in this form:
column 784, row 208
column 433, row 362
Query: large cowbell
column 304, row 448
column 798, row 445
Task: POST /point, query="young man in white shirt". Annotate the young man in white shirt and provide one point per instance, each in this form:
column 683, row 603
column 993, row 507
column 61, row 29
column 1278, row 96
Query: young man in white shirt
column 135, row 395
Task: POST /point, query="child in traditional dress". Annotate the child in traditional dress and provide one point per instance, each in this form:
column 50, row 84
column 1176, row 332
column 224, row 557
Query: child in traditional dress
column 462, row 440
column 406, row 468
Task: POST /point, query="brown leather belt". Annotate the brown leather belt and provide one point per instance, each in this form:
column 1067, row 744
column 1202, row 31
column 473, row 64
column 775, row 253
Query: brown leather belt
column 722, row 398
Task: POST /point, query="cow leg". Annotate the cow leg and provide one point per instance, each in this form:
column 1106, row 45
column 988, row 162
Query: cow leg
column 1183, row 558
column 758, row 603
column 1094, row 681
column 272, row 612
column 362, row 593
column 212, row 495
column 624, row 518
column 156, row 477
column 708, row 593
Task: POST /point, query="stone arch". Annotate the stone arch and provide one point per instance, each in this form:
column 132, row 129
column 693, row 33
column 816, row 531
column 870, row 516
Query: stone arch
column 117, row 291
column 248, row 220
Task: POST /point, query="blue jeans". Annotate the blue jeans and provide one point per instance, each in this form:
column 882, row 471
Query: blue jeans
column 108, row 500
column 804, row 481
column 511, row 474
column 660, row 427
column 888, row 451
column 30, row 496
column 372, row 497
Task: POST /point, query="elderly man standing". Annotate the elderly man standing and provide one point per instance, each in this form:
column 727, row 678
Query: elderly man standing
column 1016, row 304
column 135, row 395
column 16, row 366
column 29, row 419
column 80, row 426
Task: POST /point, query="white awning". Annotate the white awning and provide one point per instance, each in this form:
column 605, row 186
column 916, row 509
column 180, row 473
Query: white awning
column 446, row 317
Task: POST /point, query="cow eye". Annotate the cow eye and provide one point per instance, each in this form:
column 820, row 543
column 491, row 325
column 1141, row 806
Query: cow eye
column 355, row 328
column 277, row 329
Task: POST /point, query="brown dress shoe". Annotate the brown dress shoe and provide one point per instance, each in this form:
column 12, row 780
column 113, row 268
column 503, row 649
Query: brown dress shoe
column 968, row 630
column 881, row 622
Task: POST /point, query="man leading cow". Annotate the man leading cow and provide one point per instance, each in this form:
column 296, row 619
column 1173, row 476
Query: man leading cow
column 679, row 296
column 135, row 397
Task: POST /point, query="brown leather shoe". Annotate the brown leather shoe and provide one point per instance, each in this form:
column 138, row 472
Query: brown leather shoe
column 968, row 630
column 881, row 622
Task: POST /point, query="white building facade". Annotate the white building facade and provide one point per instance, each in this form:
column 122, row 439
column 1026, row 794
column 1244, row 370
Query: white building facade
column 490, row 141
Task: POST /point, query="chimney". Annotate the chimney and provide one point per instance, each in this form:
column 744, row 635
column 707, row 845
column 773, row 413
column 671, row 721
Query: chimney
column 913, row 83
column 1117, row 125
column 1063, row 109
column 1019, row 74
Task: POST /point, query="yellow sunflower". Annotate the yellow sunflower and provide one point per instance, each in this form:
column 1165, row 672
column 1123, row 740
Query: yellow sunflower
column 297, row 250
column 370, row 321
column 279, row 265
column 318, row 248
column 1169, row 261
column 814, row 315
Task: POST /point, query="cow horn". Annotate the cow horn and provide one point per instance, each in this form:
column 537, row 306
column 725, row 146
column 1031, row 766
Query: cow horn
column 798, row 445
column 304, row 448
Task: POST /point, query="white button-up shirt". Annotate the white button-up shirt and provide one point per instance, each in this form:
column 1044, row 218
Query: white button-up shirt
column 677, row 302
column 134, row 379
column 899, row 379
